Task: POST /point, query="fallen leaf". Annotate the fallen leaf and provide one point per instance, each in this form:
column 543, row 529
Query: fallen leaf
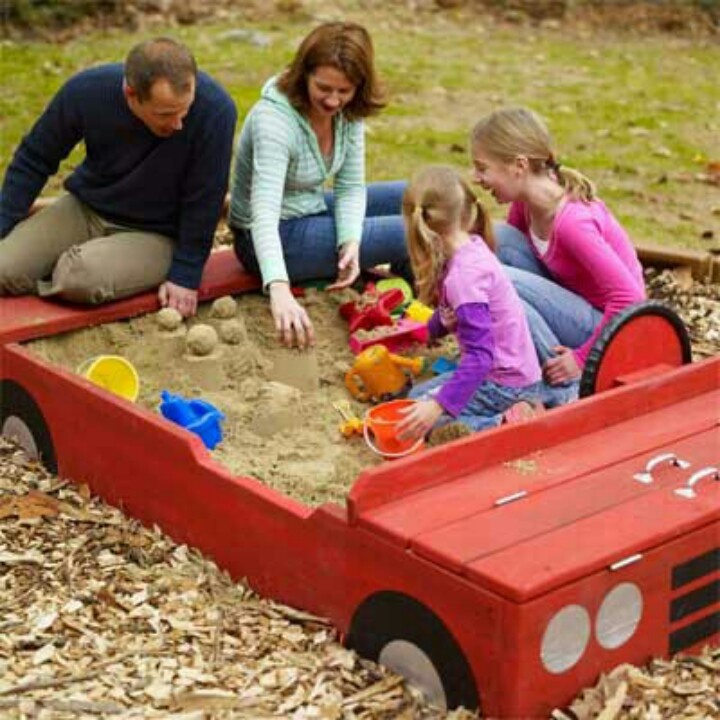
column 683, row 276
column 34, row 504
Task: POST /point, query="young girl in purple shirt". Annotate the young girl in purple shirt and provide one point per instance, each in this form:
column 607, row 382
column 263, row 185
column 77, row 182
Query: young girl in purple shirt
column 456, row 272
column 570, row 260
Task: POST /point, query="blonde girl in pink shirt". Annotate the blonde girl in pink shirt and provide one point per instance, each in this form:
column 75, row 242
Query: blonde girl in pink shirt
column 570, row 260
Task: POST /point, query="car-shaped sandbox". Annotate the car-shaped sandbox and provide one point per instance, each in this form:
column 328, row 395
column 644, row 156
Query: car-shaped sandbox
column 502, row 571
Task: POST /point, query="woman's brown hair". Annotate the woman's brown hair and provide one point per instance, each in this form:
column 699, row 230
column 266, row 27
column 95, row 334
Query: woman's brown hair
column 347, row 47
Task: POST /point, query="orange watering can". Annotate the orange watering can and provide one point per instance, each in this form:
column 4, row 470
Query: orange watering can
column 378, row 374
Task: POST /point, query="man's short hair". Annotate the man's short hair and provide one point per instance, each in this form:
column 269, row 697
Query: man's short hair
column 160, row 59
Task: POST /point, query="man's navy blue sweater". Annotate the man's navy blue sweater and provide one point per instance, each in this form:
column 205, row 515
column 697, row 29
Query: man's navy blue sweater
column 174, row 186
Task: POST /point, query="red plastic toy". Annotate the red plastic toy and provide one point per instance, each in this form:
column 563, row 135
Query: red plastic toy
column 400, row 335
column 373, row 310
column 503, row 571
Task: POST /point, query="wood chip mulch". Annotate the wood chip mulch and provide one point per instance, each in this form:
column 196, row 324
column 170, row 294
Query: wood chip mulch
column 697, row 303
column 102, row 617
column 684, row 688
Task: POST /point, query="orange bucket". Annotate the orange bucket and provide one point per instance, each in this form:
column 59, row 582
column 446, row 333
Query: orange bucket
column 380, row 429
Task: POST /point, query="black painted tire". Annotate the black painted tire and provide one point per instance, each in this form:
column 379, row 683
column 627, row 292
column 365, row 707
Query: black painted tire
column 390, row 622
column 22, row 420
column 620, row 327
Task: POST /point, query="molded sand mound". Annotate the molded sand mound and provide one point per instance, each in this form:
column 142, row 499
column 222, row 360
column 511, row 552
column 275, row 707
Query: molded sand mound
column 280, row 426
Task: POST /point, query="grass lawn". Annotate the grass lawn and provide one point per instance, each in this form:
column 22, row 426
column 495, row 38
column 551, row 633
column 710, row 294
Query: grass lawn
column 638, row 114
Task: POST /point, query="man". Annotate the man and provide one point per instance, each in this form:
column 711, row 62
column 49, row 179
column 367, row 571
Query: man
column 143, row 205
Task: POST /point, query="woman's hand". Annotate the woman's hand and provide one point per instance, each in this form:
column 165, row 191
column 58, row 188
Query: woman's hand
column 291, row 320
column 348, row 265
column 419, row 420
column 562, row 368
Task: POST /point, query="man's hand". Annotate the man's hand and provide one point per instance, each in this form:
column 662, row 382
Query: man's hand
column 175, row 296
column 348, row 266
column 291, row 321
column 562, row 368
column 419, row 419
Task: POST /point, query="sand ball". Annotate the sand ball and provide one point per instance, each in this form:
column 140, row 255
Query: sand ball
column 224, row 307
column 201, row 340
column 232, row 332
column 169, row 319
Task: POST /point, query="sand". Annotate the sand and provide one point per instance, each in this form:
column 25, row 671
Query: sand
column 281, row 427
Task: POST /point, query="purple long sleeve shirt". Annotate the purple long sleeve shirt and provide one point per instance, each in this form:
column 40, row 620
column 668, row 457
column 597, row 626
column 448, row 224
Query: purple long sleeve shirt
column 474, row 334
column 479, row 304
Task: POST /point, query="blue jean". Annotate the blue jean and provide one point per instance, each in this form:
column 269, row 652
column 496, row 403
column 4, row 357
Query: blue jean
column 486, row 407
column 556, row 316
column 310, row 242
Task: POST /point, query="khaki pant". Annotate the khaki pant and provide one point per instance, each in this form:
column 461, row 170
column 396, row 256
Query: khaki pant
column 68, row 251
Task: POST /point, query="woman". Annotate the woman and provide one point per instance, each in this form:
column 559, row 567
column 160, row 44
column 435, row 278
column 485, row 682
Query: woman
column 570, row 260
column 306, row 129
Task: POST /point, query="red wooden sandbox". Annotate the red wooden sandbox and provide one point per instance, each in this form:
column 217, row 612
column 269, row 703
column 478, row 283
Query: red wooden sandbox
column 504, row 571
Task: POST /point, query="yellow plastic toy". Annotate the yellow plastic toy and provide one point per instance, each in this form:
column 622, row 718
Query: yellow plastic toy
column 114, row 373
column 418, row 311
column 378, row 374
column 351, row 424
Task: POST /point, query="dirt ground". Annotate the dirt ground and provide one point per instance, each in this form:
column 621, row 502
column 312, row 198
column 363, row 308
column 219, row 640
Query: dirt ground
column 670, row 16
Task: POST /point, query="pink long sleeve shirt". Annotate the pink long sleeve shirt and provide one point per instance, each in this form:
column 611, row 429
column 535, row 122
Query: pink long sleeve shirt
column 590, row 254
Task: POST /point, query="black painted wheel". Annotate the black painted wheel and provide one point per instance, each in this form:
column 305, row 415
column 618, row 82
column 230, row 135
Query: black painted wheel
column 21, row 420
column 642, row 336
column 402, row 634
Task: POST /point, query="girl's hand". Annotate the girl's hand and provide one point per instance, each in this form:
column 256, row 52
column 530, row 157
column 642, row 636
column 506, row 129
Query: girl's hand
column 562, row 368
column 291, row 320
column 419, row 419
column 348, row 266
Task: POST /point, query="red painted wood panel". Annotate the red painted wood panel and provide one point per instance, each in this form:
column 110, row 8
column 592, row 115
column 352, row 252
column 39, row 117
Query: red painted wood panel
column 393, row 481
column 499, row 528
column 443, row 505
column 536, row 566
